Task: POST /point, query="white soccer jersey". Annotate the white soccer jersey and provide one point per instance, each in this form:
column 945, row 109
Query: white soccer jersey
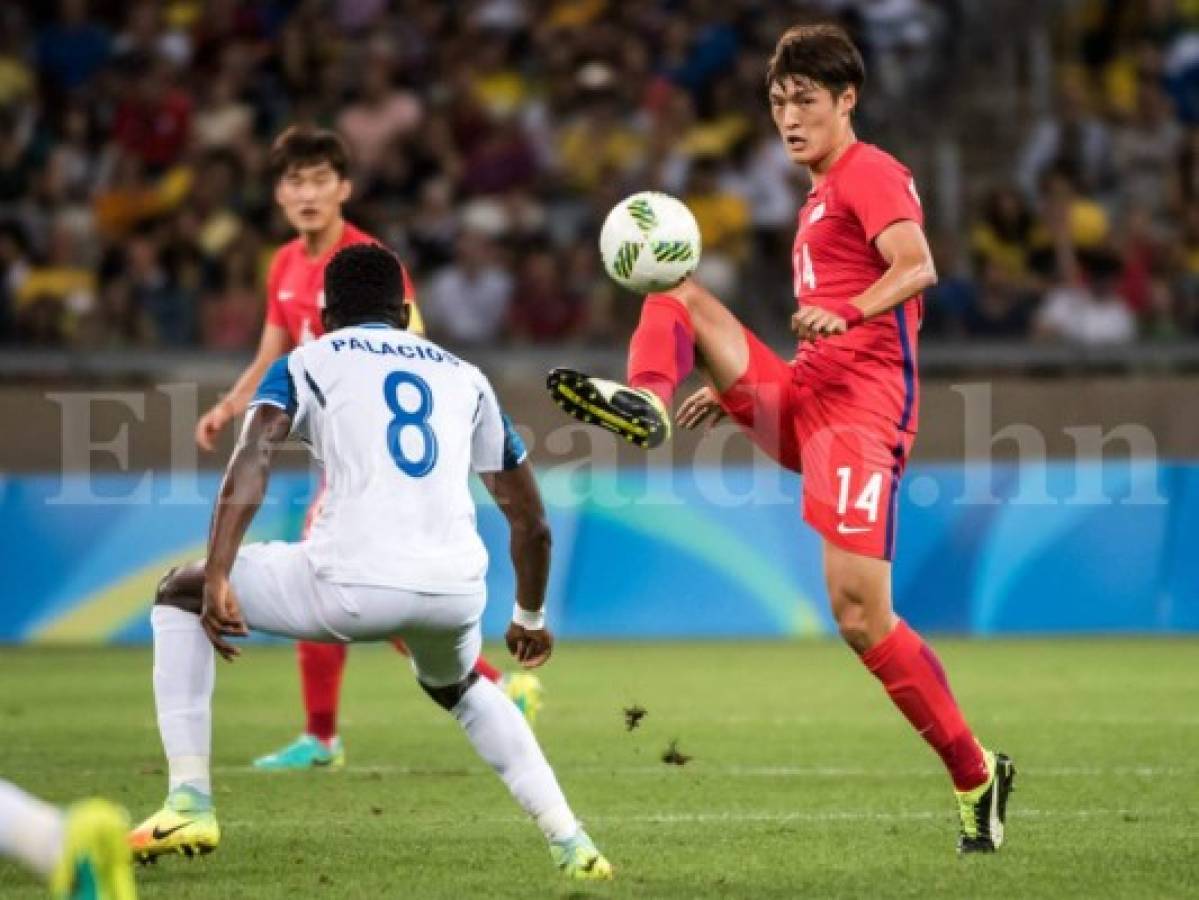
column 398, row 424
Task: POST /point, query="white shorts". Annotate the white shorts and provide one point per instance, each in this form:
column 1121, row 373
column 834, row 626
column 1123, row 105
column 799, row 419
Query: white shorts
column 279, row 593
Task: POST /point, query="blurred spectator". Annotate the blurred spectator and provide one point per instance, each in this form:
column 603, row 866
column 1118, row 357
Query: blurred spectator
column 17, row 160
column 1145, row 153
column 153, row 122
column 598, row 142
column 213, row 203
column 16, row 77
column 223, row 119
column 1002, row 239
column 1073, row 141
column 434, row 231
column 1088, row 310
column 231, row 311
column 545, row 305
column 164, row 296
column 145, row 37
column 380, row 113
column 723, row 219
column 1062, row 207
column 73, row 48
column 14, row 269
column 53, row 294
column 999, row 307
column 501, row 161
column 468, row 301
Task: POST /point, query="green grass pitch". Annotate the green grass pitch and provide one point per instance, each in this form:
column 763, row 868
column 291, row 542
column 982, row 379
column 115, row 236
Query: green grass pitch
column 804, row 781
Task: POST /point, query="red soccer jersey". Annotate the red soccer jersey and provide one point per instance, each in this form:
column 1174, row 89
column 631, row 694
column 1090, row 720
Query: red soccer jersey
column 873, row 366
column 296, row 285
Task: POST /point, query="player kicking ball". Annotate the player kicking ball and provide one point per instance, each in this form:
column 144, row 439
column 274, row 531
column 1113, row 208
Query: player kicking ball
column 844, row 411
column 312, row 184
column 81, row 852
column 399, row 424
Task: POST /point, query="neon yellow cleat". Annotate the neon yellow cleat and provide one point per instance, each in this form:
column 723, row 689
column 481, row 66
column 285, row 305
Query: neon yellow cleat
column 983, row 811
column 95, row 863
column 635, row 414
column 579, row 860
column 524, row 689
column 186, row 825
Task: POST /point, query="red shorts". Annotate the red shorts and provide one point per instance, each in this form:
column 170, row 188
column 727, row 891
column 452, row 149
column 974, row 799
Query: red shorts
column 851, row 458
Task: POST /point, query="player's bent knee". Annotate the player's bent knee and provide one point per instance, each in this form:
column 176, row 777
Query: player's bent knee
column 181, row 587
column 449, row 696
column 857, row 636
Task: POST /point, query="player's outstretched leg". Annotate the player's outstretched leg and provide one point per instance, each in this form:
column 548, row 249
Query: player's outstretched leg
column 504, row 740
column 184, row 672
column 319, row 747
column 673, row 327
column 914, row 679
column 82, row 853
column 523, row 688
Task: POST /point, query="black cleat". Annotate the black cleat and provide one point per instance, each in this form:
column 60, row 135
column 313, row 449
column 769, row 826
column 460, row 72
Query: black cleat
column 984, row 810
column 634, row 414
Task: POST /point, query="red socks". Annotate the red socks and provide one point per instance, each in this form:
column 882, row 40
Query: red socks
column 482, row 666
column 488, row 671
column 321, row 666
column 916, row 683
column 662, row 351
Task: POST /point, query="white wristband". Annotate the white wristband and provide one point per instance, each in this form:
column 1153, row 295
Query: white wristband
column 532, row 621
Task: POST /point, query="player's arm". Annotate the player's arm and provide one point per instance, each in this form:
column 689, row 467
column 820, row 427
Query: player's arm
column 274, row 342
column 240, row 496
column 519, row 499
column 910, row 270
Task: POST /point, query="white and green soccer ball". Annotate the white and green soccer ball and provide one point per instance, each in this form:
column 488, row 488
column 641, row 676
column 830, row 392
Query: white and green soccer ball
column 649, row 242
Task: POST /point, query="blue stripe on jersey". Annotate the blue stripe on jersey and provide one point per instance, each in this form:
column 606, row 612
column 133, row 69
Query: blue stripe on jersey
column 277, row 388
column 909, row 369
column 892, row 504
column 514, row 447
column 316, row 391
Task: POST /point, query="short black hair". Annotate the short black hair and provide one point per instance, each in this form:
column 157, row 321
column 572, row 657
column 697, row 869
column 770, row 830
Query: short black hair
column 302, row 145
column 364, row 283
column 822, row 54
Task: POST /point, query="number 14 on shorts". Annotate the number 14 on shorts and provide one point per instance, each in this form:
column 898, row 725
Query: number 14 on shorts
column 868, row 499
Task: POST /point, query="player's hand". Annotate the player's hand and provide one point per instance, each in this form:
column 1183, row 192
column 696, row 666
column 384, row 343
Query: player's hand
column 221, row 616
column 529, row 647
column 812, row 323
column 701, row 405
column 210, row 426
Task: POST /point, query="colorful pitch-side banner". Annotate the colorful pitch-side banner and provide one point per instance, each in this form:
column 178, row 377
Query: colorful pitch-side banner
column 662, row 553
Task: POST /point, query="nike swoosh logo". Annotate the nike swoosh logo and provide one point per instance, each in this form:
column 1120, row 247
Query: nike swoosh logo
column 842, row 528
column 158, row 834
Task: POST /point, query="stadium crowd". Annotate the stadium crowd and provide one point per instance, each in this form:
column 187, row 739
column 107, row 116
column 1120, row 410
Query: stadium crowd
column 491, row 137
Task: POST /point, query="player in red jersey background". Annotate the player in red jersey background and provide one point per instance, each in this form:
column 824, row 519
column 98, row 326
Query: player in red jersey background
column 844, row 410
column 311, row 171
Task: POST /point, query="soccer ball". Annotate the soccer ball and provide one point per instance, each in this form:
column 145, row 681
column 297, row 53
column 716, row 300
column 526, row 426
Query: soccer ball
column 649, row 242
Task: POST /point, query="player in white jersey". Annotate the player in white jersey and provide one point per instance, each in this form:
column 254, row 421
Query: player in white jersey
column 399, row 425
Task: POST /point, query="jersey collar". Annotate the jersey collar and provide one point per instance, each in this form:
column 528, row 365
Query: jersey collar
column 837, row 166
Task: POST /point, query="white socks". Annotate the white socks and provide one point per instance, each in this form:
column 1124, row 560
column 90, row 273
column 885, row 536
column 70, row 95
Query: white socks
column 502, row 737
column 184, row 672
column 31, row 831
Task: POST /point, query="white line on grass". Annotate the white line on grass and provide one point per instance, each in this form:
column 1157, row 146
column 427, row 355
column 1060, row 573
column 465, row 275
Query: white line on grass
column 846, row 816
column 750, row 817
column 758, row 771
